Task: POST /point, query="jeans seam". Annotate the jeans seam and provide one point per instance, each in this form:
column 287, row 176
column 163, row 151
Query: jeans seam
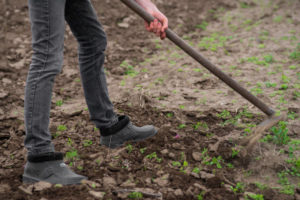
column 44, row 65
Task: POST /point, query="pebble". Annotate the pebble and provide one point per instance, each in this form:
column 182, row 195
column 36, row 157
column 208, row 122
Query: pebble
column 171, row 155
column 164, row 152
column 201, row 187
column 178, row 192
column 42, row 185
column 3, row 95
column 196, row 156
column 27, row 190
column 4, row 188
column 205, row 175
column 97, row 195
column 177, row 146
column 109, row 181
column 6, row 81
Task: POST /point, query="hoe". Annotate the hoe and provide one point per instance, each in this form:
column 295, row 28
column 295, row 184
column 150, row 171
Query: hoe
column 271, row 118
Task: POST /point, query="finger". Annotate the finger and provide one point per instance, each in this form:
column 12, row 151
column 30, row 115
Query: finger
column 147, row 26
column 165, row 24
column 155, row 26
column 163, row 35
column 158, row 33
column 151, row 27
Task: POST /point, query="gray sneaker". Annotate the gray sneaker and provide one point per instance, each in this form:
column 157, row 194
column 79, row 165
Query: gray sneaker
column 124, row 131
column 50, row 168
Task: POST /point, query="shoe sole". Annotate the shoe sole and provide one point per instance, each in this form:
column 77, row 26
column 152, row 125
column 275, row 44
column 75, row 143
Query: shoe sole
column 114, row 146
column 30, row 180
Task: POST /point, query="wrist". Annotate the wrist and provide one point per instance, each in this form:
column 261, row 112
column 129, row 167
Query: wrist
column 147, row 5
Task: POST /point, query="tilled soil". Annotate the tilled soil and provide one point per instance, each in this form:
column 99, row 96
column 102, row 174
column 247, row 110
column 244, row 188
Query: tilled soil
column 168, row 90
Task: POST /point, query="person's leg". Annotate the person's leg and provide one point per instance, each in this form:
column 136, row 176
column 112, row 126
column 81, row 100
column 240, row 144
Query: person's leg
column 114, row 130
column 85, row 26
column 47, row 26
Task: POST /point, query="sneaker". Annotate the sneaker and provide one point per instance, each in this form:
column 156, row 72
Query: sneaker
column 50, row 168
column 124, row 131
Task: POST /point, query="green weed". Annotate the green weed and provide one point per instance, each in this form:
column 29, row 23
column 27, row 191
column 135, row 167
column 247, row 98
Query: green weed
column 59, row 102
column 261, row 186
column 154, row 156
column 196, row 170
column 280, row 132
column 87, row 143
column 255, row 197
column 135, row 195
column 129, row 69
column 61, row 128
column 72, row 155
column 239, row 188
column 142, row 150
column 129, row 148
column 203, row 25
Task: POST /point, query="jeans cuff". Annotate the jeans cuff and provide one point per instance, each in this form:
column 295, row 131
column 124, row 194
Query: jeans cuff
column 41, row 150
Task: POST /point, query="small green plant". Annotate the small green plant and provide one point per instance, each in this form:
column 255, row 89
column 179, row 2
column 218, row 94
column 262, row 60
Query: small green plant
column 280, row 133
column 255, row 197
column 59, row 102
column 230, row 165
column 61, row 128
column 225, row 114
column 261, row 186
column 129, row 69
column 181, row 126
column 72, row 155
column 87, row 143
column 181, row 106
column 284, row 87
column 288, row 189
column 176, row 164
column 234, row 152
column 170, row 115
column 200, row 196
column 201, row 125
column 285, row 79
column 295, row 55
column 196, row 170
column 135, row 195
column 203, row 25
column 129, row 148
column 268, row 58
column 216, row 161
column 154, row 155
column 142, row 150
column 239, row 188
column 269, row 84
column 277, row 19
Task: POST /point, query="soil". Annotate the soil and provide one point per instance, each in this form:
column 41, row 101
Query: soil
column 167, row 89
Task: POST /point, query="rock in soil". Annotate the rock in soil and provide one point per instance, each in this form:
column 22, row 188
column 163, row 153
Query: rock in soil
column 27, row 190
column 205, row 175
column 42, row 185
column 109, row 181
column 4, row 188
column 178, row 193
column 97, row 195
column 196, row 156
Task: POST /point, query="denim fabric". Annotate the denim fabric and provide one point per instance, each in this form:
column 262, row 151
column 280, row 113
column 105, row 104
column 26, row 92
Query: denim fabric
column 47, row 19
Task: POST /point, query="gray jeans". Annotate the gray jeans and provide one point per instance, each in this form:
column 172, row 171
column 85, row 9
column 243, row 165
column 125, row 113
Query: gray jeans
column 47, row 19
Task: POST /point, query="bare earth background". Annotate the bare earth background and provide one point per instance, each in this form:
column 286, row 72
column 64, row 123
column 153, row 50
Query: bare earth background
column 201, row 120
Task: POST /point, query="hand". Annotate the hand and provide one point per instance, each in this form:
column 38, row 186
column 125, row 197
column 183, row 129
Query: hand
column 160, row 24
